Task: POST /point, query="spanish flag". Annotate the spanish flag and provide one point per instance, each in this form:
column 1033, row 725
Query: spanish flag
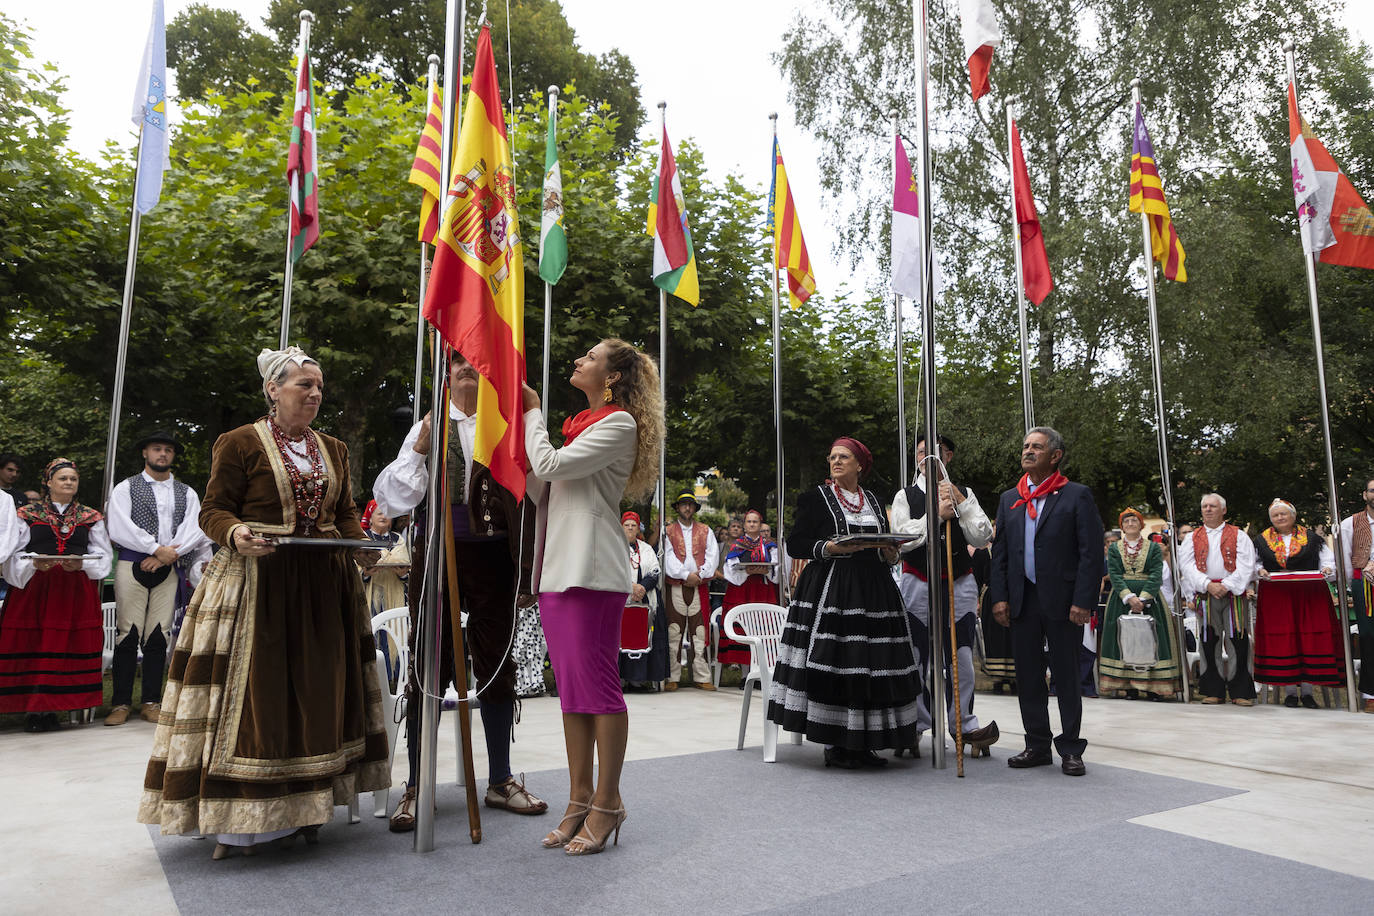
column 425, row 171
column 476, row 289
column 1147, row 196
column 789, row 248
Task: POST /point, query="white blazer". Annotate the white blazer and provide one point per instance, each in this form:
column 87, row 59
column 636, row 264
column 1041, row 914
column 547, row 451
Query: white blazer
column 579, row 508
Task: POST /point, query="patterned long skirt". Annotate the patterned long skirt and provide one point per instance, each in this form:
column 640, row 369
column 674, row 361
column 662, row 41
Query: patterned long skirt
column 846, row 672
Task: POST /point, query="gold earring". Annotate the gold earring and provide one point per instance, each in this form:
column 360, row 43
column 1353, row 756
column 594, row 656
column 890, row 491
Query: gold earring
column 606, row 395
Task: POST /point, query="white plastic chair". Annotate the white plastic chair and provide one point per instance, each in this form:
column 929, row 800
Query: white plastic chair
column 1194, row 656
column 760, row 626
column 395, row 623
column 111, row 627
column 717, row 618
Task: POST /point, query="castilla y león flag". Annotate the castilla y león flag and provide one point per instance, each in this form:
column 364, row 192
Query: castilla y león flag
column 1336, row 224
column 476, row 288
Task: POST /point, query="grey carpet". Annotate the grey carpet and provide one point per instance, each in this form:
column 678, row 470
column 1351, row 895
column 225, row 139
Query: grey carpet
column 722, row 831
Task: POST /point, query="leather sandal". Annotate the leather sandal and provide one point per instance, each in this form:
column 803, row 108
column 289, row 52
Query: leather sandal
column 512, row 795
column 403, row 818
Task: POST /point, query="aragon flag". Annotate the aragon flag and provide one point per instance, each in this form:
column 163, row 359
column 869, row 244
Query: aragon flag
column 675, row 263
column 1336, row 224
column 425, row 171
column 1147, row 196
column 789, row 248
column 476, row 288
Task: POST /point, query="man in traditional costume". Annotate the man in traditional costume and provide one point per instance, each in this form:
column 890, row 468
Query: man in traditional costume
column 493, row 542
column 750, row 579
column 971, row 530
column 689, row 562
column 1217, row 564
column 1359, row 569
column 154, row 523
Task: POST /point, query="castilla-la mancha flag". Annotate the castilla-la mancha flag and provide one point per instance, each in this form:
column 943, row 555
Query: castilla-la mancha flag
column 1336, row 224
column 477, row 285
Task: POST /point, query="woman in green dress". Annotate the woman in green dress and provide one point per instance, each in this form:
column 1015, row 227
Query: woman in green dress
column 1135, row 565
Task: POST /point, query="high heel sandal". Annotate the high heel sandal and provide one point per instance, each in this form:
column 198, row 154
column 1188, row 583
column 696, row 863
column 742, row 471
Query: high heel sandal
column 589, row 845
column 557, row 836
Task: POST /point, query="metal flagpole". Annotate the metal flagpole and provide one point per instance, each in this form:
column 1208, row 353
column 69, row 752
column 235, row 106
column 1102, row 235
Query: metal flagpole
column 432, row 618
column 1180, row 647
column 424, row 273
column 125, row 314
column 548, row 287
column 939, row 711
column 1027, row 398
column 663, row 374
column 1342, row 584
column 777, row 394
column 901, row 359
column 307, row 17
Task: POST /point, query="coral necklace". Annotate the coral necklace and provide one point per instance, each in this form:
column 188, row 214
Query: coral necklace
column 307, row 486
column 844, row 500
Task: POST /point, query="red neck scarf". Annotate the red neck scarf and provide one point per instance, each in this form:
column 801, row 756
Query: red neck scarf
column 575, row 426
column 1050, row 484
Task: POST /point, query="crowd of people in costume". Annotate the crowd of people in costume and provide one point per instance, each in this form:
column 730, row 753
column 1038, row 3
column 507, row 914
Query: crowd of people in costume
column 256, row 605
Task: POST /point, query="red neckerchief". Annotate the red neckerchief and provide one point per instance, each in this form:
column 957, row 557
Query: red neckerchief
column 574, row 426
column 1050, row 484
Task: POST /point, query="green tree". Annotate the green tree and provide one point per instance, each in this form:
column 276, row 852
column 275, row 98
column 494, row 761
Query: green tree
column 214, row 49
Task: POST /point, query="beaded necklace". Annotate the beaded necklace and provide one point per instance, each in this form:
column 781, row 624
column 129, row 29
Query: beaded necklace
column 844, row 500
column 307, row 486
column 634, row 558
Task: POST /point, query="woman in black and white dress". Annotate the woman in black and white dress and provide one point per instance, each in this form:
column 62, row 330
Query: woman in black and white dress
column 846, row 675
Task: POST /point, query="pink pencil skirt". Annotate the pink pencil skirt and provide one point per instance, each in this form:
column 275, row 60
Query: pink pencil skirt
column 582, row 627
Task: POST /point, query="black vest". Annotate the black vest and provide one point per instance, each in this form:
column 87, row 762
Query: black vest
column 916, row 560
column 43, row 540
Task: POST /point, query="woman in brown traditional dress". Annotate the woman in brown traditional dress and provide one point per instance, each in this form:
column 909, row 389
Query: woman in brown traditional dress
column 272, row 694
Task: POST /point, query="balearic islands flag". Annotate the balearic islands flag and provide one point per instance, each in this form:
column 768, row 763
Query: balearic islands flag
column 1336, row 224
column 978, row 23
column 675, row 263
column 302, row 173
column 1035, row 263
column 150, row 114
column 1147, row 196
column 477, row 287
column 425, row 170
column 553, row 241
column 906, row 227
column 789, row 248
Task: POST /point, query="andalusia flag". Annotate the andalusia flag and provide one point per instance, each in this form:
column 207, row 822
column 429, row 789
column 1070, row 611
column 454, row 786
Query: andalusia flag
column 553, row 243
column 302, row 174
column 476, row 289
column 425, row 170
column 675, row 264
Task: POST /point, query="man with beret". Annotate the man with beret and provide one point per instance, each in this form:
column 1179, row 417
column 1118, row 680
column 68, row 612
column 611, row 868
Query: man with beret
column 154, row 521
column 689, row 562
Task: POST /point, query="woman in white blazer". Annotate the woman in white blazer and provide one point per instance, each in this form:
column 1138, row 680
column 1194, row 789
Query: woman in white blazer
column 610, row 450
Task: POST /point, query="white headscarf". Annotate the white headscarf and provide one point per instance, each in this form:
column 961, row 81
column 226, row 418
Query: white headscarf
column 272, row 362
column 1282, row 503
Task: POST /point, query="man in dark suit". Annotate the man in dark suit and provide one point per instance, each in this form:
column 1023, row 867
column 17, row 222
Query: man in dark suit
column 1046, row 567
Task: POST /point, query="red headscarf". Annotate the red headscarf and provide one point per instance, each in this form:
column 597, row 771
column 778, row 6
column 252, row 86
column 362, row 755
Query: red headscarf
column 367, row 514
column 860, row 452
column 630, row 515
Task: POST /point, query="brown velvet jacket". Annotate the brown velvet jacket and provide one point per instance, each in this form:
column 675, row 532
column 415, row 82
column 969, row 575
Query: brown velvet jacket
column 249, row 485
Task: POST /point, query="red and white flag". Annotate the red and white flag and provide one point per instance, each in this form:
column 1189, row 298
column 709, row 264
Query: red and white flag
column 978, row 22
column 1336, row 224
column 906, row 228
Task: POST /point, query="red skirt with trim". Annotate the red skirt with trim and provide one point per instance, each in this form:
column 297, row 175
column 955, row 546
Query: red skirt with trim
column 1297, row 638
column 51, row 637
column 755, row 589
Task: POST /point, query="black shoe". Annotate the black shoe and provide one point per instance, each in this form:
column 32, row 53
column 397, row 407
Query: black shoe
column 50, row 723
column 33, row 722
column 1309, row 701
column 871, row 759
column 1030, row 758
column 1292, row 701
column 841, row 758
column 1072, row 765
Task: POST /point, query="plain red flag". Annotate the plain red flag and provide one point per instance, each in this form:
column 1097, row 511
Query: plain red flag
column 1035, row 263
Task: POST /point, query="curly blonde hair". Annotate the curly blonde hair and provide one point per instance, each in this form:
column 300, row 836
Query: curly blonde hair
column 637, row 391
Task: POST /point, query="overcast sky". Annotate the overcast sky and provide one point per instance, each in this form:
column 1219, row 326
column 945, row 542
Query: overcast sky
column 710, row 61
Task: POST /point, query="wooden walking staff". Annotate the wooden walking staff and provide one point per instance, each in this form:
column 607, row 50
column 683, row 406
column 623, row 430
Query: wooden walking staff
column 954, row 654
column 460, row 668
